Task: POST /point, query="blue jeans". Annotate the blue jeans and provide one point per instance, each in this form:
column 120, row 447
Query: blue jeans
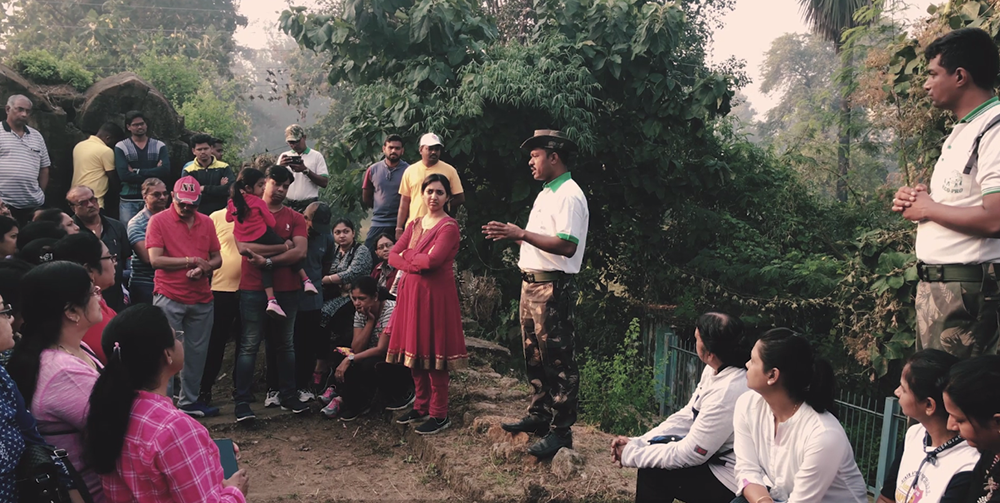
column 140, row 292
column 128, row 209
column 258, row 325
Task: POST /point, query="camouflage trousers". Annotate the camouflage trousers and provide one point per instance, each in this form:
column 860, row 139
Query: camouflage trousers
column 956, row 317
column 547, row 331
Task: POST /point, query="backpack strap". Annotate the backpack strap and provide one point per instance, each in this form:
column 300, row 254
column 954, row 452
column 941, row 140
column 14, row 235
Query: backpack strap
column 974, row 158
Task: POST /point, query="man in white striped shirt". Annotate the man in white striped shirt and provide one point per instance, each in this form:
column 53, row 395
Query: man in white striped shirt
column 24, row 161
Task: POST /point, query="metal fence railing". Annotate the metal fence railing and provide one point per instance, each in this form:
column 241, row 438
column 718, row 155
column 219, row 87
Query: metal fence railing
column 874, row 426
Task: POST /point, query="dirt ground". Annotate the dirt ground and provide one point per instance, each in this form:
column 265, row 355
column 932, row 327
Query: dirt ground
column 308, row 457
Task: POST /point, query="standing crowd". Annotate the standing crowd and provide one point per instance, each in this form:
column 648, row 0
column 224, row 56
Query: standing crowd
column 121, row 323
column 113, row 330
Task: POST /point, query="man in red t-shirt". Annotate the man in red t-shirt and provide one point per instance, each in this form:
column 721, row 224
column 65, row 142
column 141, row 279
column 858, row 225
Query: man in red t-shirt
column 184, row 250
column 290, row 225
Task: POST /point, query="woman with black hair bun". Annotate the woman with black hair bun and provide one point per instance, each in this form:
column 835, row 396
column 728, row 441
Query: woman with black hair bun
column 689, row 456
column 972, row 399
column 789, row 447
column 143, row 447
column 935, row 464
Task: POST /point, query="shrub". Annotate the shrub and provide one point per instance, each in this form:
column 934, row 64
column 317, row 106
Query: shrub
column 177, row 77
column 617, row 394
column 42, row 67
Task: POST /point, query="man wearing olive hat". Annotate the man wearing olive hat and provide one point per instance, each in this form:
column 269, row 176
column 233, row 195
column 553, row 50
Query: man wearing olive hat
column 552, row 247
column 308, row 169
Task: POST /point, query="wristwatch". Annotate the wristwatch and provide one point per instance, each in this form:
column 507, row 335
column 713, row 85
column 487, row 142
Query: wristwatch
column 268, row 264
column 350, row 358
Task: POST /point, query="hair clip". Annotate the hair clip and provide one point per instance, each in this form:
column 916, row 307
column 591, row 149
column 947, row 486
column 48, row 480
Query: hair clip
column 45, row 257
column 118, row 351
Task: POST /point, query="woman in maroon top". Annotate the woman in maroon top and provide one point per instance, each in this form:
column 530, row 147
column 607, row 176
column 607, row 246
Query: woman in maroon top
column 426, row 327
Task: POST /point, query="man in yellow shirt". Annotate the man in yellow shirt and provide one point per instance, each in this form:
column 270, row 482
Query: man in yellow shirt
column 225, row 291
column 411, row 205
column 94, row 160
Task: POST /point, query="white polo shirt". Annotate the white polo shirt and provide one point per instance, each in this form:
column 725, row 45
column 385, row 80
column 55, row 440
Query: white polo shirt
column 302, row 187
column 21, row 159
column 949, row 185
column 559, row 210
column 930, row 483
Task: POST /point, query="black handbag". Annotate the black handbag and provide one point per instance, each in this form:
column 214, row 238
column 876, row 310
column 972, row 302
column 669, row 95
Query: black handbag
column 39, row 476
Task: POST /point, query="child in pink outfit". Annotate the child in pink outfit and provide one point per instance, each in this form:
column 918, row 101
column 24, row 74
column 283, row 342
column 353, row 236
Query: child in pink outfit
column 253, row 223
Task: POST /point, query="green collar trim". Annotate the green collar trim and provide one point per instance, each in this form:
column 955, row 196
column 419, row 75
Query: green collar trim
column 988, row 104
column 557, row 182
column 304, row 152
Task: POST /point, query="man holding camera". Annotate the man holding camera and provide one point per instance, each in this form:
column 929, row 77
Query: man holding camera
column 307, row 165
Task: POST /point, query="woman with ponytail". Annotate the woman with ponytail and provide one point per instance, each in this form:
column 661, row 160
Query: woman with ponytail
column 52, row 366
column 789, row 447
column 143, row 446
column 936, row 463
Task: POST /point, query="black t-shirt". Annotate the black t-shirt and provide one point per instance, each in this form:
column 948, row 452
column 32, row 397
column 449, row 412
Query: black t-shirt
column 985, row 485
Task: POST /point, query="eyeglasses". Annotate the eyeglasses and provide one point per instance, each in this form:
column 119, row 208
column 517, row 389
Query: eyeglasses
column 387, row 246
column 85, row 202
column 158, row 195
column 112, row 258
column 187, row 206
column 137, row 124
column 8, row 311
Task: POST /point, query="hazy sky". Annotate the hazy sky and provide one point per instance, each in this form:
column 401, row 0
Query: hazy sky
column 747, row 33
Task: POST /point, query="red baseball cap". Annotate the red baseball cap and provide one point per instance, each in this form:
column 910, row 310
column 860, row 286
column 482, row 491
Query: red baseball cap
column 187, row 190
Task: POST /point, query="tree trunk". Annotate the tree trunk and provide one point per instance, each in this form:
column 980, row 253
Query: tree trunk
column 844, row 128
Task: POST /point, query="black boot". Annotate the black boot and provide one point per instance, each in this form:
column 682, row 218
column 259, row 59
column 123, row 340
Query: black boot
column 550, row 445
column 529, row 424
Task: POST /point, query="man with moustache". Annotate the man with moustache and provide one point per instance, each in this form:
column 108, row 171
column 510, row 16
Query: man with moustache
column 380, row 190
column 552, row 246
column 411, row 205
column 24, row 161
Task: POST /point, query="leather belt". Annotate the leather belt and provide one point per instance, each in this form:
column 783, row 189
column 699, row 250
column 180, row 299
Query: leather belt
column 541, row 276
column 947, row 273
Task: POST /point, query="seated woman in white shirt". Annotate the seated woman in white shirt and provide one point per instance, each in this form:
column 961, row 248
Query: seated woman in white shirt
column 936, row 464
column 690, row 455
column 789, row 447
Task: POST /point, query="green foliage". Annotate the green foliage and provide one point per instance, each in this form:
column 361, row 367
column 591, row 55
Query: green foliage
column 213, row 111
column 177, row 77
column 617, row 393
column 42, row 67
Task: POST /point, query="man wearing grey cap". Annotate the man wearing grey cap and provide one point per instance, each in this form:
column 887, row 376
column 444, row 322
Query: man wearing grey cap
column 308, row 169
column 411, row 205
column 552, row 247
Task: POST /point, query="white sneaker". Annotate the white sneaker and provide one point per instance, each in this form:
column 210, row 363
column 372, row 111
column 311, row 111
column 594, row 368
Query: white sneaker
column 306, row 395
column 272, row 399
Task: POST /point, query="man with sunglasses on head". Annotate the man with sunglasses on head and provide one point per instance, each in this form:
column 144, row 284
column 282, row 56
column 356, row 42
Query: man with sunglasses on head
column 140, row 283
column 380, row 190
column 24, row 161
column 184, row 250
column 308, row 168
column 138, row 158
column 411, row 205
column 87, row 214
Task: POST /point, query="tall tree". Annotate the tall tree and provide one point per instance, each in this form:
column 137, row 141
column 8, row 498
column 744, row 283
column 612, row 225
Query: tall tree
column 829, row 19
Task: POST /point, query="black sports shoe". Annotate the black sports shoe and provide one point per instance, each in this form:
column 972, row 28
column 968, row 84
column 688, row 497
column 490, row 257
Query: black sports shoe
column 244, row 413
column 294, row 405
column 351, row 413
column 550, row 445
column 401, row 403
column 412, row 417
column 433, row 426
column 528, row 424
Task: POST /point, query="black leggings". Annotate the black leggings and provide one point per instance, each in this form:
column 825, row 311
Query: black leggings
column 267, row 275
column 696, row 484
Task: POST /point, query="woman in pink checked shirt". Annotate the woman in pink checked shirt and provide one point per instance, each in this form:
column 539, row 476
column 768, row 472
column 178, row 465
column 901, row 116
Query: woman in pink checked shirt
column 144, row 448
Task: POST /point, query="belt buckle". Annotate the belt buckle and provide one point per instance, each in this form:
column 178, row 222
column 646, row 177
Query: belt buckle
column 940, row 271
column 528, row 277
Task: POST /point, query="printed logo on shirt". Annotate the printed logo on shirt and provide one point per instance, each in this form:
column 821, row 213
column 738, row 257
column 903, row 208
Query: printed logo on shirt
column 907, row 493
column 288, row 227
column 700, row 450
column 953, row 184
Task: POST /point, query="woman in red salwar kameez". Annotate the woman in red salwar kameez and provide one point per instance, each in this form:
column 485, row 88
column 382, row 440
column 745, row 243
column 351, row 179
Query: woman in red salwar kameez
column 426, row 327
